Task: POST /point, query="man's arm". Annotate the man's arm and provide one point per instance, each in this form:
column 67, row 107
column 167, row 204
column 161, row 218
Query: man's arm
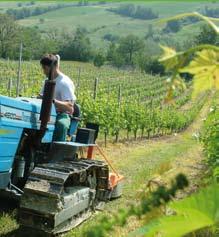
column 40, row 95
column 64, row 106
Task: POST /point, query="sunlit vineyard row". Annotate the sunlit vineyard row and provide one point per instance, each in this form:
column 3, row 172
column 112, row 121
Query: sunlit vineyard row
column 125, row 103
column 126, row 84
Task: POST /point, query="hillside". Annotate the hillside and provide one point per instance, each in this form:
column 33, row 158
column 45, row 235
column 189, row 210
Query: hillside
column 99, row 22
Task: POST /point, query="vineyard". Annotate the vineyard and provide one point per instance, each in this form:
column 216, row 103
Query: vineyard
column 148, row 75
column 126, row 104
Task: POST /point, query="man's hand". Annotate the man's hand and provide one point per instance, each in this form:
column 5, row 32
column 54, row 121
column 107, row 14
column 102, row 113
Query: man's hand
column 39, row 96
column 64, row 106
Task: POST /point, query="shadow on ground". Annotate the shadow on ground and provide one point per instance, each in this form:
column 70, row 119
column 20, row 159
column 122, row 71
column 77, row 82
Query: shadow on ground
column 7, row 205
column 10, row 207
column 24, row 232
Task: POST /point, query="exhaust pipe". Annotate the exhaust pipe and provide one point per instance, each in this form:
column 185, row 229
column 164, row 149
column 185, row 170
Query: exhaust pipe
column 47, row 100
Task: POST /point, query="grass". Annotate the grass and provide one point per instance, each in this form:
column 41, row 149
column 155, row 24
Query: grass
column 138, row 167
column 8, row 215
column 8, row 222
column 139, row 163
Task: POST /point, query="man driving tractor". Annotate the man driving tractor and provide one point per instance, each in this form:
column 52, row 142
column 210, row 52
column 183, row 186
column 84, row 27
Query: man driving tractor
column 64, row 97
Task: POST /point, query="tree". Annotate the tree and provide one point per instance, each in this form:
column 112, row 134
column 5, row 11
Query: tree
column 153, row 66
column 110, row 37
column 139, row 12
column 143, row 12
column 207, row 36
column 118, row 60
column 11, row 35
column 127, row 10
column 172, row 26
column 9, row 31
column 211, row 12
column 99, row 60
column 79, row 48
column 111, row 51
column 149, row 64
column 129, row 45
column 31, row 38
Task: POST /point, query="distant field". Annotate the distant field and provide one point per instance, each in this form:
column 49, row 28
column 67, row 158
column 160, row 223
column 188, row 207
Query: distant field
column 99, row 21
column 4, row 6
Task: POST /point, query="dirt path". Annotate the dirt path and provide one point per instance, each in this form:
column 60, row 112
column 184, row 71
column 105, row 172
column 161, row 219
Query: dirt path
column 139, row 161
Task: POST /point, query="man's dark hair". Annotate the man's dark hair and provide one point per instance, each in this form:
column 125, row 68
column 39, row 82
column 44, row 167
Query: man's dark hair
column 48, row 60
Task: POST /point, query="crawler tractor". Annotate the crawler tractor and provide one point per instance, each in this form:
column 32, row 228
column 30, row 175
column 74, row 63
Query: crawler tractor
column 57, row 189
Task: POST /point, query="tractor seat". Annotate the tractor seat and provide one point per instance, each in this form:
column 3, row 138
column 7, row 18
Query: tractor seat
column 75, row 119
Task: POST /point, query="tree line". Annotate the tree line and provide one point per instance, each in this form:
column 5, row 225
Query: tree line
column 127, row 51
column 138, row 12
column 211, row 12
column 25, row 12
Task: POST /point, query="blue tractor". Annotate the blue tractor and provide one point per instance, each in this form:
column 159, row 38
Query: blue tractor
column 56, row 188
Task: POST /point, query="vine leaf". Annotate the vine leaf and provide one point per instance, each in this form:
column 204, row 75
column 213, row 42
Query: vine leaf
column 205, row 68
column 190, row 214
column 170, row 58
column 204, row 65
column 173, row 84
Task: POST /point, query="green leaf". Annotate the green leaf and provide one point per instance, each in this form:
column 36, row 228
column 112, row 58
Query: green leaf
column 176, row 226
column 205, row 68
column 171, row 59
column 199, row 211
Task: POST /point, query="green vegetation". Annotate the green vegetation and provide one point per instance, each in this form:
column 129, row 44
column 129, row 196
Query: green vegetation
column 12, row 35
column 34, row 11
column 144, row 161
column 207, row 36
column 211, row 12
column 125, row 52
column 191, row 214
column 125, row 103
column 99, row 60
column 210, row 138
column 99, row 22
column 156, row 199
column 200, row 210
column 138, row 12
column 83, row 41
column 129, row 104
column 76, row 48
column 138, row 162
